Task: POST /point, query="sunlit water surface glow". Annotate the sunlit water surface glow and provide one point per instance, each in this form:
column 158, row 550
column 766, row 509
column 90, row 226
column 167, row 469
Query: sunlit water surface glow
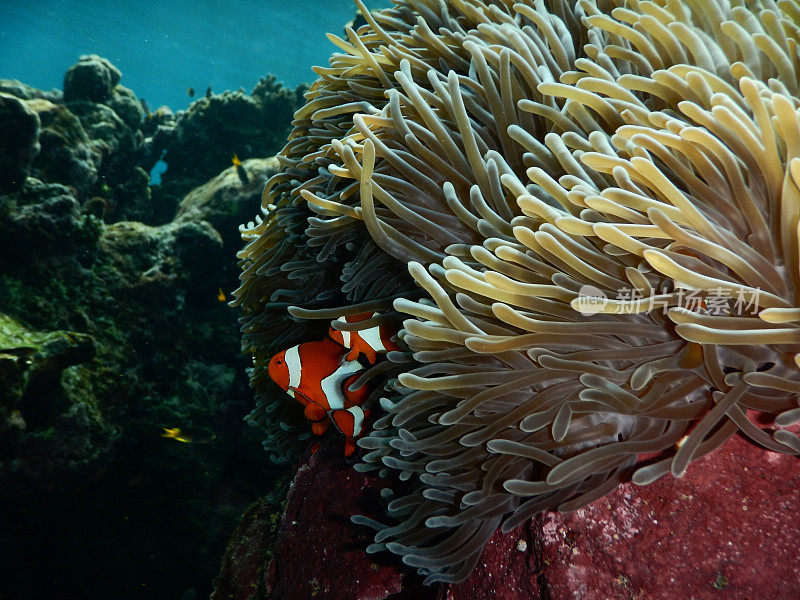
column 165, row 47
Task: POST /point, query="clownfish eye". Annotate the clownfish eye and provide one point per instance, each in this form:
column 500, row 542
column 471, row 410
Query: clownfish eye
column 278, row 362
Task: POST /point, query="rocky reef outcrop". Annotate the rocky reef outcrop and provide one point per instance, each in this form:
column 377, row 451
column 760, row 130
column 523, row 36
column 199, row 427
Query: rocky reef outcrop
column 100, row 139
column 250, row 125
column 19, row 141
column 114, row 325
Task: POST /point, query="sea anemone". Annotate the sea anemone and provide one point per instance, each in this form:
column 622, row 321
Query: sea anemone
column 595, row 209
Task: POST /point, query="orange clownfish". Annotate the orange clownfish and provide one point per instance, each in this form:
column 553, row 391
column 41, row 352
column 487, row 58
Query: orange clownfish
column 368, row 342
column 318, row 375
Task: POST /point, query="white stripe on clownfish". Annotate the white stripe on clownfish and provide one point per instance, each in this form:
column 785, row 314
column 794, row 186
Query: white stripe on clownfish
column 333, row 385
column 350, row 427
column 294, row 366
column 345, row 336
column 372, row 337
column 358, row 419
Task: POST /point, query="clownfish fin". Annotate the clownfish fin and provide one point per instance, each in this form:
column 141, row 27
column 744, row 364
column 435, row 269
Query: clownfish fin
column 371, row 355
column 301, row 397
column 297, row 395
column 353, row 354
column 314, row 412
column 315, row 448
column 349, row 446
column 320, row 427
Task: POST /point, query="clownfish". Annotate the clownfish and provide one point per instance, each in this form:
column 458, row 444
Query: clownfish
column 318, row 375
column 368, row 342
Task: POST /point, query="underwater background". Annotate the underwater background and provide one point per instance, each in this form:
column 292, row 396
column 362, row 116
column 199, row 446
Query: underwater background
column 136, row 436
column 125, row 462
column 163, row 48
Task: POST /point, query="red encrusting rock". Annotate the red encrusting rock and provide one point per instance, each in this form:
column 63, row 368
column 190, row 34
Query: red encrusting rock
column 509, row 569
column 319, row 553
column 727, row 529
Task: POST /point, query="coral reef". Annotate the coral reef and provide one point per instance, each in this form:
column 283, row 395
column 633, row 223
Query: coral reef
column 48, row 429
column 92, row 79
column 19, row 141
column 250, row 125
column 97, row 138
column 244, row 567
column 113, row 326
column 222, row 199
column 587, row 214
column 44, row 221
column 67, row 157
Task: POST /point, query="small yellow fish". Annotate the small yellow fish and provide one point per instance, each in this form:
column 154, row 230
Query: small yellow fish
column 221, row 295
column 190, row 435
column 242, row 174
column 176, row 434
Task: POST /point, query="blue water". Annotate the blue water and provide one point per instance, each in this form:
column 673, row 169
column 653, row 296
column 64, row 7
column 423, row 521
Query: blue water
column 165, row 47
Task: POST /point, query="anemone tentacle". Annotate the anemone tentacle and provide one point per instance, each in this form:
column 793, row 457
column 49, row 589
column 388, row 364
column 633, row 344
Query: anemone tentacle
column 587, row 213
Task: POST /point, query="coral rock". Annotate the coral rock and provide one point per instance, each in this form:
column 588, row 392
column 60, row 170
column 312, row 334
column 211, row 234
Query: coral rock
column 724, row 528
column 225, row 201
column 508, row 570
column 44, row 220
column 127, row 106
column 156, row 259
column 242, row 576
column 19, row 141
column 26, row 92
column 208, row 134
column 108, row 133
column 67, row 156
column 92, row 79
column 40, row 411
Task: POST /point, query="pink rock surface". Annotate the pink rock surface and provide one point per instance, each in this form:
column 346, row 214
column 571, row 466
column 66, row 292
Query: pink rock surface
column 728, row 529
column 510, row 569
column 319, row 553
